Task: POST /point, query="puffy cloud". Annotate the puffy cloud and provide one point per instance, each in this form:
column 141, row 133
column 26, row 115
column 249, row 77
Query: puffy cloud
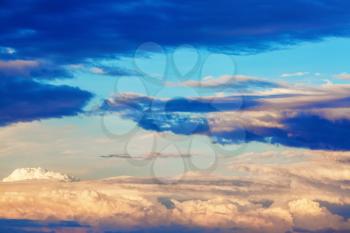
column 309, row 215
column 38, row 174
column 280, row 192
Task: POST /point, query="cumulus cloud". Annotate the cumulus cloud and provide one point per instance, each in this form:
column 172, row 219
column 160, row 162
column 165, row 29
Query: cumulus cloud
column 39, row 173
column 270, row 196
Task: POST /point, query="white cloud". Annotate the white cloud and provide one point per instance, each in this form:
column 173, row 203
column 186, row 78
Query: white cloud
column 97, row 70
column 227, row 81
column 280, row 191
column 39, row 173
column 344, row 76
column 295, row 74
column 7, row 50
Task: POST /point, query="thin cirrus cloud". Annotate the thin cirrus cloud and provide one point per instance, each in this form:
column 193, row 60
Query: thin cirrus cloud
column 34, row 69
column 92, row 29
column 308, row 117
column 295, row 74
column 344, row 76
column 112, row 71
column 227, row 82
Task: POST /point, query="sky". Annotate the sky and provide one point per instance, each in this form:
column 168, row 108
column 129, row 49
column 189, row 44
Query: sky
column 172, row 89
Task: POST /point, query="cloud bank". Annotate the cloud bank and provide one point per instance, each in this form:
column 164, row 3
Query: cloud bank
column 270, row 196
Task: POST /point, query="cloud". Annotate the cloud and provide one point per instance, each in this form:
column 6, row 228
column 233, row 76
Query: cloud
column 30, row 226
column 7, row 51
column 344, row 76
column 268, row 196
column 32, row 69
column 40, row 29
column 38, row 174
column 112, row 71
column 145, row 156
column 308, row 117
column 227, row 82
column 27, row 100
column 296, row 74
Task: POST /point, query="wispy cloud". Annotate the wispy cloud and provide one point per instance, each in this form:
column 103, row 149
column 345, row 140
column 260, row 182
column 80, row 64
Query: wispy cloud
column 112, row 71
column 227, row 82
column 34, row 69
column 295, row 74
column 145, row 156
column 344, row 76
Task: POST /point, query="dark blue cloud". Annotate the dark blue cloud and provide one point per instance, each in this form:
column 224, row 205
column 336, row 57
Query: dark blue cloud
column 306, row 131
column 338, row 209
column 328, row 230
column 196, row 105
column 75, row 30
column 36, row 226
column 303, row 130
column 178, row 229
column 190, row 116
column 32, row 69
column 28, row 100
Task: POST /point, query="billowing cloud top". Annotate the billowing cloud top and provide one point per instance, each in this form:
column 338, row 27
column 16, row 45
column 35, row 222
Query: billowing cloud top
column 39, row 173
column 290, row 191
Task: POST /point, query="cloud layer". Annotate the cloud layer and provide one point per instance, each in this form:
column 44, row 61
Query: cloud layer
column 73, row 31
column 298, row 116
column 269, row 196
